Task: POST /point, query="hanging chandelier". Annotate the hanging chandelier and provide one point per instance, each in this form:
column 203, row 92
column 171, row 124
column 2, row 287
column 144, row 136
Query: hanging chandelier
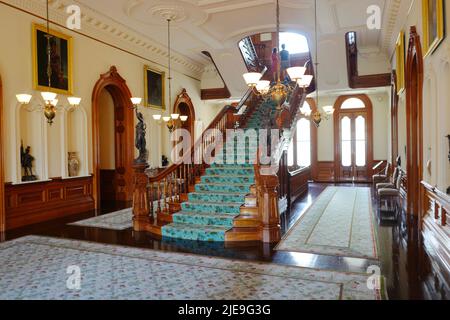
column 175, row 120
column 279, row 91
column 50, row 98
column 317, row 116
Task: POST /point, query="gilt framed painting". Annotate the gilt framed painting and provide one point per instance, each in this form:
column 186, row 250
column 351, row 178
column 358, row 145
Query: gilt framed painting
column 59, row 79
column 433, row 24
column 154, row 88
column 400, row 62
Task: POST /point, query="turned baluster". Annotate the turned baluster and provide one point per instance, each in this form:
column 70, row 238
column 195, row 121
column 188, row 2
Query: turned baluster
column 165, row 195
column 159, row 197
column 150, row 197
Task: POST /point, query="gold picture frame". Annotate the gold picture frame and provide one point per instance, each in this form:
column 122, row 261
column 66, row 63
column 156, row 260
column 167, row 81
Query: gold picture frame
column 62, row 65
column 400, row 62
column 433, row 25
column 155, row 88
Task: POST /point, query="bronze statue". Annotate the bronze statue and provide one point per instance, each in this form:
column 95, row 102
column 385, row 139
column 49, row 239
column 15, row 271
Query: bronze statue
column 26, row 160
column 140, row 142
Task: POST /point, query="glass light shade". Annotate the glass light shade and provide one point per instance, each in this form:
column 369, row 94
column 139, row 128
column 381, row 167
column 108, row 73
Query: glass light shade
column 136, row 101
column 175, row 116
column 54, row 102
column 166, row 119
column 48, row 96
column 24, row 98
column 296, row 73
column 74, row 101
column 252, row 78
column 305, row 81
column 157, row 117
column 183, row 118
column 306, row 110
column 328, row 109
column 263, row 86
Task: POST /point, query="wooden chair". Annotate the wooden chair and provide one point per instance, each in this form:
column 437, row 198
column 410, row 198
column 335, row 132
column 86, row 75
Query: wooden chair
column 392, row 182
column 390, row 197
column 382, row 176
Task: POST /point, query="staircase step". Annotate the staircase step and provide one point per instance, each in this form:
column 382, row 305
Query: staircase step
column 230, row 171
column 212, row 207
column 217, row 197
column 204, row 219
column 232, row 188
column 228, row 179
column 194, row 232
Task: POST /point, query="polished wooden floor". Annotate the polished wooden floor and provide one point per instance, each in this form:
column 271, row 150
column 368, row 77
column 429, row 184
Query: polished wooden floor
column 410, row 267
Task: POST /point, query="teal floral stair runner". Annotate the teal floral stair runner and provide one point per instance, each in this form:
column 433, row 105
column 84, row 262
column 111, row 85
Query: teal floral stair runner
column 210, row 211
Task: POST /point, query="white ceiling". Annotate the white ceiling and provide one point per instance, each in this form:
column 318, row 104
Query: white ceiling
column 217, row 26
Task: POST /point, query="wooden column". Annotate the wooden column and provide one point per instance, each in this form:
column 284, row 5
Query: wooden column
column 141, row 210
column 268, row 209
column 2, row 175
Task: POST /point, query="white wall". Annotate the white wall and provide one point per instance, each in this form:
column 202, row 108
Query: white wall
column 436, row 101
column 381, row 120
column 90, row 59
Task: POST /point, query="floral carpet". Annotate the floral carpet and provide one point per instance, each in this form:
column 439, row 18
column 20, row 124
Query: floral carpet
column 41, row 268
column 340, row 222
column 119, row 220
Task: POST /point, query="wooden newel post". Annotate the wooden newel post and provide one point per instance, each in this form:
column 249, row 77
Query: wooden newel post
column 141, row 211
column 268, row 206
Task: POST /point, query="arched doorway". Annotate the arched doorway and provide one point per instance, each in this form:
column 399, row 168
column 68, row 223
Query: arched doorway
column 183, row 106
column 116, row 87
column 353, row 137
column 414, row 125
column 2, row 173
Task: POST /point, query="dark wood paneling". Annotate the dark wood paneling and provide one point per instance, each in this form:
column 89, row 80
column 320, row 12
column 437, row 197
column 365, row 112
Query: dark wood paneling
column 107, row 185
column 42, row 201
column 325, row 171
column 298, row 183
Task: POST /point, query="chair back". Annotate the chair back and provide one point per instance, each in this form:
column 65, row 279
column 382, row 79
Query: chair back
column 398, row 183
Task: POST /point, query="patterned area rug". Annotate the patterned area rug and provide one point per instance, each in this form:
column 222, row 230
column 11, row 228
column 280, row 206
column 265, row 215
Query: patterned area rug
column 37, row 268
column 119, row 220
column 339, row 223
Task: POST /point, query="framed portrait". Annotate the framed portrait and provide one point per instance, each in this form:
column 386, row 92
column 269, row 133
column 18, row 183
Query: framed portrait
column 400, row 62
column 433, row 24
column 60, row 61
column 154, row 88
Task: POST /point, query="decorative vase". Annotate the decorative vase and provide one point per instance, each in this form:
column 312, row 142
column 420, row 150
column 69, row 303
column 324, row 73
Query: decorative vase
column 74, row 164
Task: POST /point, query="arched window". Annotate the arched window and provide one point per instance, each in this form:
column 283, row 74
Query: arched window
column 353, row 103
column 299, row 153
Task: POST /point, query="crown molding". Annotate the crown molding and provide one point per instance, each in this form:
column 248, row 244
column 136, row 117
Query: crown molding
column 98, row 26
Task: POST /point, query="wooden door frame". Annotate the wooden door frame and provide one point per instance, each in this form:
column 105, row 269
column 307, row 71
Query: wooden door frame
column 2, row 170
column 414, row 122
column 369, row 109
column 183, row 98
column 394, row 119
column 121, row 94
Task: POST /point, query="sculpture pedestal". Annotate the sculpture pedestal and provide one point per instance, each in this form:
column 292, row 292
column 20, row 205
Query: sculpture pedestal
column 141, row 210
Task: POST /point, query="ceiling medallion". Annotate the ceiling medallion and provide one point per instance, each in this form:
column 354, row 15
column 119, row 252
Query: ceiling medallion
column 172, row 12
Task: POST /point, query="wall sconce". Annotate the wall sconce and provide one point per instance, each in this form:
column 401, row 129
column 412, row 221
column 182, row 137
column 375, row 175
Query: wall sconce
column 173, row 122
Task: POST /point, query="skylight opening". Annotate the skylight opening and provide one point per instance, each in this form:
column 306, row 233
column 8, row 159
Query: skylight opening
column 295, row 43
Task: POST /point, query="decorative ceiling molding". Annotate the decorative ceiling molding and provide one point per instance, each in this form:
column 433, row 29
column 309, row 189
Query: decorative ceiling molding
column 389, row 23
column 112, row 32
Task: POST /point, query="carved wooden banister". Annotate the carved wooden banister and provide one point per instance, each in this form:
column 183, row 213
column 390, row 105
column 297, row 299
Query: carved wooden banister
column 267, row 178
column 167, row 189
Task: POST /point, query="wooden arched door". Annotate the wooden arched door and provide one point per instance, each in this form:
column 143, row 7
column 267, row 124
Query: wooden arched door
column 353, row 138
column 183, row 106
column 123, row 131
column 414, row 119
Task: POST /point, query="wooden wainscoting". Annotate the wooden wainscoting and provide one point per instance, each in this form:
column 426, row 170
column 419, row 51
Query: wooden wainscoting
column 32, row 203
column 325, row 171
column 108, row 185
column 298, row 183
column 435, row 222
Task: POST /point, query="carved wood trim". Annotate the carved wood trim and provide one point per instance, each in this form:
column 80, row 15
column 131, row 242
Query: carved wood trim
column 117, row 87
column 2, row 172
column 414, row 117
column 216, row 93
column 184, row 98
column 394, row 118
column 337, row 152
